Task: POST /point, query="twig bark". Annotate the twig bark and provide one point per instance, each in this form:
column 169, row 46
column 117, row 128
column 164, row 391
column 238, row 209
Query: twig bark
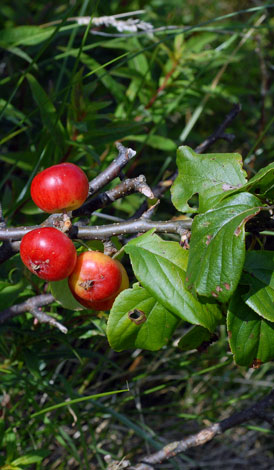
column 103, row 232
column 33, row 306
column 128, row 186
column 258, row 410
column 113, row 170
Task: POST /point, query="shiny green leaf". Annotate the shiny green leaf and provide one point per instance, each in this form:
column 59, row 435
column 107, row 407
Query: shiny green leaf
column 138, row 320
column 194, row 338
column 210, row 175
column 259, row 275
column 160, row 266
column 251, row 337
column 61, row 292
column 217, row 247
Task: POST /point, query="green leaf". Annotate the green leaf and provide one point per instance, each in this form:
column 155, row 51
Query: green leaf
column 10, row 293
column 154, row 141
column 10, row 467
column 31, row 458
column 217, row 246
column 259, row 275
column 138, row 320
column 263, row 182
column 251, row 337
column 23, row 160
column 61, row 292
column 24, row 35
column 209, row 175
column 32, row 362
column 12, row 113
column 194, row 338
column 115, row 88
column 47, row 110
column 160, row 266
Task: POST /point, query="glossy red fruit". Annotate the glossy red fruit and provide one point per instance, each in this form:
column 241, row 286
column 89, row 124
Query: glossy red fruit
column 48, row 253
column 96, row 278
column 106, row 304
column 59, row 188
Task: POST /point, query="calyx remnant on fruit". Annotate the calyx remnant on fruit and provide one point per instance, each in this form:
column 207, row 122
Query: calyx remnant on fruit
column 48, row 253
column 97, row 280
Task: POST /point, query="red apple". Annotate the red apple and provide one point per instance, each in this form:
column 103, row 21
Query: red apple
column 106, row 304
column 97, row 279
column 48, row 253
column 60, row 188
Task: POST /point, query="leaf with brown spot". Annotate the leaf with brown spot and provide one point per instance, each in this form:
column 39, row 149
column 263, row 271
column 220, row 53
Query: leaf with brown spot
column 138, row 320
column 137, row 316
column 220, row 262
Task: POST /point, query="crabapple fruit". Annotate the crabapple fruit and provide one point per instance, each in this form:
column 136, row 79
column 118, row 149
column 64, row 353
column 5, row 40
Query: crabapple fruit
column 48, row 253
column 59, row 188
column 106, row 304
column 97, row 279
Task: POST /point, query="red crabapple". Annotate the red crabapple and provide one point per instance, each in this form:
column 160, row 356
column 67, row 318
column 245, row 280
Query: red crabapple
column 106, row 304
column 97, row 280
column 60, row 188
column 48, row 253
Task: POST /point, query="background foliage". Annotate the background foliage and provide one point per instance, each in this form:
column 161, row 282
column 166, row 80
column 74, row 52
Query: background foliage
column 67, row 94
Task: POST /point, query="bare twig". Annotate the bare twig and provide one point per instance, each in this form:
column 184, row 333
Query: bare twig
column 33, row 306
column 128, row 186
column 103, row 232
column 151, row 211
column 27, row 306
column 43, row 317
column 258, row 410
column 113, row 170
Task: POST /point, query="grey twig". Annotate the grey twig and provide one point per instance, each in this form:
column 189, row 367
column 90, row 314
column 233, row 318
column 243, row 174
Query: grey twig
column 113, row 170
column 128, row 186
column 43, row 317
column 151, row 211
column 33, row 306
column 174, row 448
column 27, row 306
column 103, row 232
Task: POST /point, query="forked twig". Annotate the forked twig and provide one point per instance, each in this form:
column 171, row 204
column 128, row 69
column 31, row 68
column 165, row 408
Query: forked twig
column 33, row 305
